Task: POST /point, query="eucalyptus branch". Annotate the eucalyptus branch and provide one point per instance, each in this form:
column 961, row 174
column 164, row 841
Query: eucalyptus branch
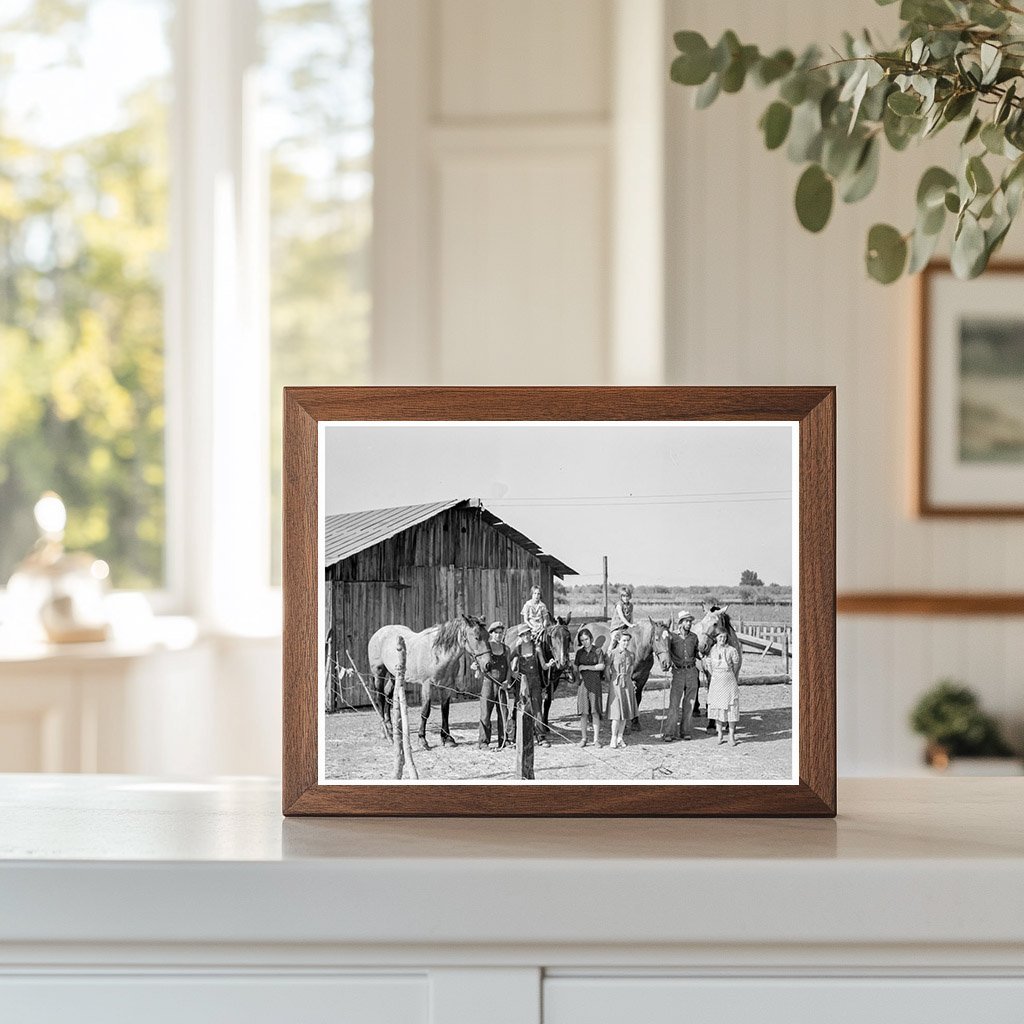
column 953, row 58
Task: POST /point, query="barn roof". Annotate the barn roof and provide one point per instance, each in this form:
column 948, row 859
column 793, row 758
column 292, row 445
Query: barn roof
column 349, row 532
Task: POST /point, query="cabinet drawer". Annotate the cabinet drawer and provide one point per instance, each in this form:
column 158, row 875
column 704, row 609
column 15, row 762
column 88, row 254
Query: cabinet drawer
column 568, row 1000
column 202, row 999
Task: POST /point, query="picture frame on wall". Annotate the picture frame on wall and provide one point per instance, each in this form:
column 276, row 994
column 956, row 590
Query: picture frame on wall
column 969, row 448
column 542, row 601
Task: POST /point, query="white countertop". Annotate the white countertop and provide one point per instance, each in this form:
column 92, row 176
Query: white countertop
column 124, row 859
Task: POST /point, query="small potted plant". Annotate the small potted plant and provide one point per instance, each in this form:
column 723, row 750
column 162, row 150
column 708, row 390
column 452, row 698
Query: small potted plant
column 950, row 718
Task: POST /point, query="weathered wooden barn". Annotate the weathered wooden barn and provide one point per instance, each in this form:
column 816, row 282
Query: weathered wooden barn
column 421, row 564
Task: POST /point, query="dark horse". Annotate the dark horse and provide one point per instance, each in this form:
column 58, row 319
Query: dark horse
column 556, row 647
column 648, row 639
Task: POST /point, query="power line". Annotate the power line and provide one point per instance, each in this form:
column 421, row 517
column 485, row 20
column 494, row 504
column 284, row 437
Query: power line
column 630, row 497
column 628, row 502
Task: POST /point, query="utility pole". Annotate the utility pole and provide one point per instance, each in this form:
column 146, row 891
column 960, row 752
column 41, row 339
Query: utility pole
column 605, row 567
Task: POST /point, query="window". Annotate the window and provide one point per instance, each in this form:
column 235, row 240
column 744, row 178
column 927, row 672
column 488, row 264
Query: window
column 237, row 212
column 83, row 237
column 317, row 118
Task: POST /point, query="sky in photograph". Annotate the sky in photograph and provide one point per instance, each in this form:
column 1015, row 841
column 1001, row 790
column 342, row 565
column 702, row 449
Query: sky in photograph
column 680, row 503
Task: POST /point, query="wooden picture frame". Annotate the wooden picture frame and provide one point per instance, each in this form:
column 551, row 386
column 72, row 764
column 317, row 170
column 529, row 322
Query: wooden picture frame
column 939, row 488
column 811, row 409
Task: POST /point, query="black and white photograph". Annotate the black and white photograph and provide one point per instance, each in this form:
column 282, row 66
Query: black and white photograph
column 559, row 602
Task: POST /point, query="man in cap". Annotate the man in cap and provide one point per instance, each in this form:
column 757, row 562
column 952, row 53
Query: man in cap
column 683, row 650
column 494, row 687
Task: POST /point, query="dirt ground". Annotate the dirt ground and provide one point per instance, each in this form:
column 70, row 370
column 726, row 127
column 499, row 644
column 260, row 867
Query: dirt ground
column 355, row 748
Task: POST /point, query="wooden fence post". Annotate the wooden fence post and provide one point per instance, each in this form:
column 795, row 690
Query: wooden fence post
column 400, row 720
column 524, row 735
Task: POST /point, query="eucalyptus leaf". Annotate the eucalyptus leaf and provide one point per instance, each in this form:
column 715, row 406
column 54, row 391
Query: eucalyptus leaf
column 814, row 195
column 805, row 133
column 886, row 253
column 922, row 248
column 978, row 176
column 707, row 93
column 973, row 130
column 865, row 173
column 993, row 138
column 931, row 190
column 968, row 247
column 771, row 69
column 904, row 103
column 775, row 124
column 691, row 68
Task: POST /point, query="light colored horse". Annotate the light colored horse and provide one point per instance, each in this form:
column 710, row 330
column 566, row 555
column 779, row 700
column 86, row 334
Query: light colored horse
column 648, row 639
column 715, row 621
column 433, row 659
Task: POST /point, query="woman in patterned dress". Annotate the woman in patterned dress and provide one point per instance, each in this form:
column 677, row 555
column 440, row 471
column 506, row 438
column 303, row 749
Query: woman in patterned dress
column 723, row 699
column 621, row 693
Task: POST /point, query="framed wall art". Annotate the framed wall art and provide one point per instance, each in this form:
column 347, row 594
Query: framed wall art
column 559, row 601
column 970, row 378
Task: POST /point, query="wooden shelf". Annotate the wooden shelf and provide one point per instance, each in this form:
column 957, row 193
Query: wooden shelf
column 928, row 603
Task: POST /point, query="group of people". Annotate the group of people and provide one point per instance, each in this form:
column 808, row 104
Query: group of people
column 513, row 683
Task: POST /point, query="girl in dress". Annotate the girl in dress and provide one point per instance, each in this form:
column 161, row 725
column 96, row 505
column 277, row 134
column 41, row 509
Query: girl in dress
column 621, row 694
column 723, row 699
column 589, row 663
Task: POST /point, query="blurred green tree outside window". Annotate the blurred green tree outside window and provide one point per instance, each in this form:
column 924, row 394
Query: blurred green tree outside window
column 83, row 237
column 317, row 120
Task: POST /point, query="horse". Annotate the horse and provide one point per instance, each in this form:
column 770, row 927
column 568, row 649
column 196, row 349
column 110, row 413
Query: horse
column 648, row 639
column 433, row 658
column 715, row 620
column 555, row 646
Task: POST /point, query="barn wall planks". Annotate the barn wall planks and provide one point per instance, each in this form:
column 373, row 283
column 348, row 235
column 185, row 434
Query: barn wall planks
column 752, row 298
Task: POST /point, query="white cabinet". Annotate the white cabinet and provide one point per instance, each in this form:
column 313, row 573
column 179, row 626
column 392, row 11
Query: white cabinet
column 131, row 898
column 827, row 1000
column 202, row 999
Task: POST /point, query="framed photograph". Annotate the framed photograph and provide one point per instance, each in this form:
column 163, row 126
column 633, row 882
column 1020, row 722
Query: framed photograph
column 559, row 601
column 970, row 444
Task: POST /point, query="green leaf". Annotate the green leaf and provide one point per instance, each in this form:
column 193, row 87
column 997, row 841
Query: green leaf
column 693, row 65
column 775, row 124
column 1004, row 106
column 903, row 103
column 814, row 194
column 991, row 61
column 931, row 191
column 735, row 74
column 993, row 138
column 978, row 176
column 707, row 93
column 725, row 49
column 900, row 130
column 922, row 247
column 794, row 89
column 771, row 69
column 952, row 202
column 958, row 106
column 886, row 254
column 805, row 133
column 969, row 255
column 865, row 173
column 987, row 15
column 839, row 151
column 973, row 129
